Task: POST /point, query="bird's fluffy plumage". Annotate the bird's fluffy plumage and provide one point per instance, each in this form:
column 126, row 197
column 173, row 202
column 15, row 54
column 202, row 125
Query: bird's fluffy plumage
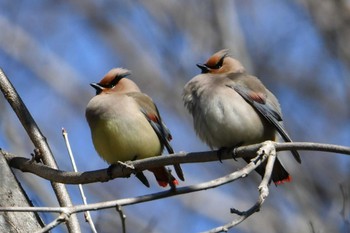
column 125, row 124
column 231, row 108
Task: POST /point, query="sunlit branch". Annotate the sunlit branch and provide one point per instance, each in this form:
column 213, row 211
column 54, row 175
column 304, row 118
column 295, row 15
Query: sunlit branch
column 268, row 149
column 27, row 165
column 149, row 197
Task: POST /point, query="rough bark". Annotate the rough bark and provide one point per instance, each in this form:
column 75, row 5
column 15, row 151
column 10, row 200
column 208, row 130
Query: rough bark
column 12, row 194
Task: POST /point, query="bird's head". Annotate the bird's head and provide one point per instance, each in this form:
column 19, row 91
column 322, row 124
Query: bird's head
column 115, row 81
column 221, row 63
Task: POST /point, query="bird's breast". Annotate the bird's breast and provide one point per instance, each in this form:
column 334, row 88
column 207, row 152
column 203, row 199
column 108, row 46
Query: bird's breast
column 222, row 118
column 120, row 132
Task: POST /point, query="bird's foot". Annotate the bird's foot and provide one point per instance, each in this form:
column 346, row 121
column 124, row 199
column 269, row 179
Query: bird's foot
column 233, row 150
column 221, row 152
column 228, row 150
column 36, row 156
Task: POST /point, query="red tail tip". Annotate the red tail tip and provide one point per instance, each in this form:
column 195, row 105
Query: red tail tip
column 164, row 183
column 175, row 182
column 288, row 179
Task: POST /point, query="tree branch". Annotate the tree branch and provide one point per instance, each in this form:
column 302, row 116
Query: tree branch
column 66, row 212
column 87, row 215
column 264, row 150
column 63, row 217
column 27, row 165
column 267, row 151
column 150, row 197
column 39, row 142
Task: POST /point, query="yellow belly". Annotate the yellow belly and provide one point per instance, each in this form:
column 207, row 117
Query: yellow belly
column 117, row 140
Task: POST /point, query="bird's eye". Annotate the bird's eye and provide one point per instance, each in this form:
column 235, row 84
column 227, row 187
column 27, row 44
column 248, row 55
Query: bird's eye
column 111, row 85
column 116, row 80
column 108, row 86
column 219, row 64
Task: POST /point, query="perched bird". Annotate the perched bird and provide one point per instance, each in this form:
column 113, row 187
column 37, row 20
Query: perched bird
column 125, row 125
column 231, row 108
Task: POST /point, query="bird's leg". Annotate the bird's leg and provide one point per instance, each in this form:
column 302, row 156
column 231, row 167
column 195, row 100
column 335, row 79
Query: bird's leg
column 36, row 156
column 231, row 150
column 220, row 152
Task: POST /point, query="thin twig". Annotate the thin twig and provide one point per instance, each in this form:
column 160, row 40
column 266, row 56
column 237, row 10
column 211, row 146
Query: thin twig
column 87, row 214
column 63, row 217
column 39, row 142
column 122, row 217
column 267, row 150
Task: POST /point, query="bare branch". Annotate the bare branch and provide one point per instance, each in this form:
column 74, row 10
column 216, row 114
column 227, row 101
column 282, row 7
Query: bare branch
column 63, row 217
column 75, row 169
column 312, row 146
column 122, row 217
column 38, row 140
column 266, row 151
column 26, row 165
column 150, row 197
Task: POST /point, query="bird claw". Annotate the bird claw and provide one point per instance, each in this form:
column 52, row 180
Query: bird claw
column 224, row 150
column 36, row 156
column 234, row 154
column 234, row 150
column 220, row 152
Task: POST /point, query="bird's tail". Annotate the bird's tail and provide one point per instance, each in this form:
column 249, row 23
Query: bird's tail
column 279, row 174
column 164, row 177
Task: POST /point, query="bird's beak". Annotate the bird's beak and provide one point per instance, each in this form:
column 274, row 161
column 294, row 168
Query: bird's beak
column 97, row 87
column 203, row 68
